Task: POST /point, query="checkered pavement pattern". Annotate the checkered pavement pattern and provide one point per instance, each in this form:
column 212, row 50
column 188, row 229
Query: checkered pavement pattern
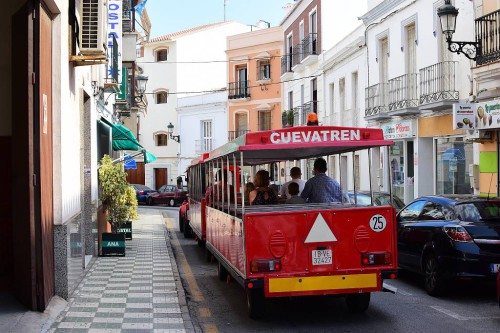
column 135, row 293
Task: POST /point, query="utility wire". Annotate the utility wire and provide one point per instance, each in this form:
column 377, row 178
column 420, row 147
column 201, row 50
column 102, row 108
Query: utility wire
column 225, row 89
column 215, row 61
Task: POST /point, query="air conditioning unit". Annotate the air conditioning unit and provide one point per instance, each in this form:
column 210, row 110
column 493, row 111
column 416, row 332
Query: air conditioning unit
column 93, row 27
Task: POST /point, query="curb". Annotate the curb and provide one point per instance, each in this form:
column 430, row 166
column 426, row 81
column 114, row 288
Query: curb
column 186, row 316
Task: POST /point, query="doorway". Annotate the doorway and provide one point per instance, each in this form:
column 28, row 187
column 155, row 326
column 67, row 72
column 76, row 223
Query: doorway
column 161, row 177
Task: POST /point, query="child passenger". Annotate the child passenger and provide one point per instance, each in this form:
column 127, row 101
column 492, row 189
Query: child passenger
column 293, row 189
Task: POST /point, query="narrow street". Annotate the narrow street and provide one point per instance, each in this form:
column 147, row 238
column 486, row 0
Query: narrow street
column 216, row 306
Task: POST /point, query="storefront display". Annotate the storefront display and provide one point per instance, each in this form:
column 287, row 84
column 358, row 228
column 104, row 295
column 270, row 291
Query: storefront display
column 453, row 157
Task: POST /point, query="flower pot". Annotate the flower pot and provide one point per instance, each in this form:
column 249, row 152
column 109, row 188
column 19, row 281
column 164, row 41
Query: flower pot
column 126, row 228
column 113, row 244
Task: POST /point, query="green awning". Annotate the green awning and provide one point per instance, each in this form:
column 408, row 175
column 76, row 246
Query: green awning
column 124, row 139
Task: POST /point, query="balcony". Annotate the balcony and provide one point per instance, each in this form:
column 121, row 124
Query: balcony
column 204, row 146
column 488, row 35
column 437, row 86
column 376, row 105
column 309, row 49
column 403, row 98
column 297, row 55
column 231, row 135
column 286, row 66
column 239, row 90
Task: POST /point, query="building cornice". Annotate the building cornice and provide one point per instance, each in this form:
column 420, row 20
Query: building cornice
column 380, row 10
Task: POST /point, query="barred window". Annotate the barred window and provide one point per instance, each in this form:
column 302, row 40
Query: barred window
column 264, row 70
column 161, row 55
column 161, row 140
column 264, row 120
column 161, row 97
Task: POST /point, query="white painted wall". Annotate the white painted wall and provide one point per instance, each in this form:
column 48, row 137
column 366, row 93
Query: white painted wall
column 192, row 111
column 195, row 64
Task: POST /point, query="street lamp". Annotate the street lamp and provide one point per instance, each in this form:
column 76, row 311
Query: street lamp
column 142, row 81
column 170, row 129
column 448, row 17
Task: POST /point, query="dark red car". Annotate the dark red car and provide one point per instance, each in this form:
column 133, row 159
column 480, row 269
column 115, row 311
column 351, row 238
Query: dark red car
column 167, row 194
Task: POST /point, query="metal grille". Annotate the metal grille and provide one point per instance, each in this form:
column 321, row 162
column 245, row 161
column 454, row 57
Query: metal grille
column 90, row 24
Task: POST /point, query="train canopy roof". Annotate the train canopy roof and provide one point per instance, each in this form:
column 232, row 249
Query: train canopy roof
column 299, row 143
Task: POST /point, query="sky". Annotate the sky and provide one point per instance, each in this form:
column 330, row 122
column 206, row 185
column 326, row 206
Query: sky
column 168, row 16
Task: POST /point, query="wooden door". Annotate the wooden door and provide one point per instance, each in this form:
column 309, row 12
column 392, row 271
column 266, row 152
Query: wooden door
column 161, row 177
column 43, row 130
column 136, row 176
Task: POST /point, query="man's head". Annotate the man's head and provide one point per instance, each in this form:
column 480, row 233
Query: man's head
column 320, row 165
column 295, row 172
column 293, row 188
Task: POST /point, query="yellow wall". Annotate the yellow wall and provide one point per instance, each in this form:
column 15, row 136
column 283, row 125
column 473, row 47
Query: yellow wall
column 437, row 126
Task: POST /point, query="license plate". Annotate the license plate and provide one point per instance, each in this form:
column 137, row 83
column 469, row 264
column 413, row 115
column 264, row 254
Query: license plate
column 495, row 268
column 321, row 257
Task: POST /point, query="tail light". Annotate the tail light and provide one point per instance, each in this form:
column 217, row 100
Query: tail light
column 259, row 266
column 457, row 233
column 378, row 258
column 141, row 192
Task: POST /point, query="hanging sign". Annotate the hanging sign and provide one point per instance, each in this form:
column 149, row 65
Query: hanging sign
column 463, row 116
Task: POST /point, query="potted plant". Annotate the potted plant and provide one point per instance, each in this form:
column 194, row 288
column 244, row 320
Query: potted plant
column 131, row 203
column 117, row 205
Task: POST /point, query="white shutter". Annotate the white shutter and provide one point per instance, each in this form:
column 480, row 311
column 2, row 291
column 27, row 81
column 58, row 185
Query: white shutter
column 93, row 27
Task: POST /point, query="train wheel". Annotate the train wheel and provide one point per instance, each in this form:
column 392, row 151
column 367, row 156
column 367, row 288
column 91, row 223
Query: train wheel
column 181, row 222
column 222, row 272
column 357, row 303
column 256, row 303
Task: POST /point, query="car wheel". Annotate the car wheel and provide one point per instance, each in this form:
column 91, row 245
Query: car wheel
column 357, row 303
column 433, row 277
column 171, row 203
column 150, row 202
column 256, row 303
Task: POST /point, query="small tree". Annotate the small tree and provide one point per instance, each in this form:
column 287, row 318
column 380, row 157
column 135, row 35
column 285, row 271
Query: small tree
column 115, row 193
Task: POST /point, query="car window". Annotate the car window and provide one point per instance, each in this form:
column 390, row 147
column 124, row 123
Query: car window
column 412, row 211
column 163, row 188
column 432, row 211
column 477, row 211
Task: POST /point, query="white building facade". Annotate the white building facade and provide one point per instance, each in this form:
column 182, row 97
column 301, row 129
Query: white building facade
column 203, row 119
column 178, row 65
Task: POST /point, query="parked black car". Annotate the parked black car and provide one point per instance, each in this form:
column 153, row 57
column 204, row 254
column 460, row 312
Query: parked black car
column 141, row 192
column 447, row 238
column 379, row 199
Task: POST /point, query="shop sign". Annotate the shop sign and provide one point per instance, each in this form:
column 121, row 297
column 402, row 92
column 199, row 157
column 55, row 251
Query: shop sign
column 463, row 116
column 484, row 115
column 488, row 115
column 399, row 130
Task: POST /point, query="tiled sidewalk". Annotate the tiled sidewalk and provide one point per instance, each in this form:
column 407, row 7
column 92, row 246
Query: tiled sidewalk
column 134, row 293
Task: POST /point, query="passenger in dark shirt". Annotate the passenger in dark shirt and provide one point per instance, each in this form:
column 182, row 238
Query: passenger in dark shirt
column 263, row 194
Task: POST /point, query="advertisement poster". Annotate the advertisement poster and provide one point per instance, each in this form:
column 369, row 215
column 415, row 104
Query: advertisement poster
column 487, row 115
column 464, row 116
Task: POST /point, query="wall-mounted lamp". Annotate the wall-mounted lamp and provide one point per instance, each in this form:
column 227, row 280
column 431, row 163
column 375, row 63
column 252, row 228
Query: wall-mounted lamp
column 142, row 81
column 448, row 17
column 96, row 90
column 170, row 129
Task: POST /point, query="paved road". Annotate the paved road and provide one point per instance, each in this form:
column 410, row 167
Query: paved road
column 218, row 307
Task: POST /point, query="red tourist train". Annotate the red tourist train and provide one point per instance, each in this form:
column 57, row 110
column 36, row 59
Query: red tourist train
column 287, row 250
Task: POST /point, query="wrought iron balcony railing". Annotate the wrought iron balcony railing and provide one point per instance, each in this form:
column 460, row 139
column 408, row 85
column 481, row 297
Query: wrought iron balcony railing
column 310, row 45
column 488, row 37
column 376, row 100
column 204, row 145
column 297, row 55
column 403, row 92
column 231, row 135
column 128, row 16
column 286, row 63
column 437, row 83
column 239, row 89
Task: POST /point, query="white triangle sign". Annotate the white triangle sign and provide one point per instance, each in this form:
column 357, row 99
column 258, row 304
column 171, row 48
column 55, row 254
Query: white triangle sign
column 320, row 232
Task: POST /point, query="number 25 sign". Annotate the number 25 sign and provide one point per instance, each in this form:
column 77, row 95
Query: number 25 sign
column 378, row 223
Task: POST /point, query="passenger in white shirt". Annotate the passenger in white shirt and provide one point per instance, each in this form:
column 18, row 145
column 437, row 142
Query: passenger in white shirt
column 295, row 173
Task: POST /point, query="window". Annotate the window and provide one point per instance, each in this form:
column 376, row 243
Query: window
column 453, row 157
column 264, row 120
column 161, row 140
column 207, row 140
column 264, row 70
column 161, row 55
column 411, row 212
column 432, row 211
column 161, row 97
